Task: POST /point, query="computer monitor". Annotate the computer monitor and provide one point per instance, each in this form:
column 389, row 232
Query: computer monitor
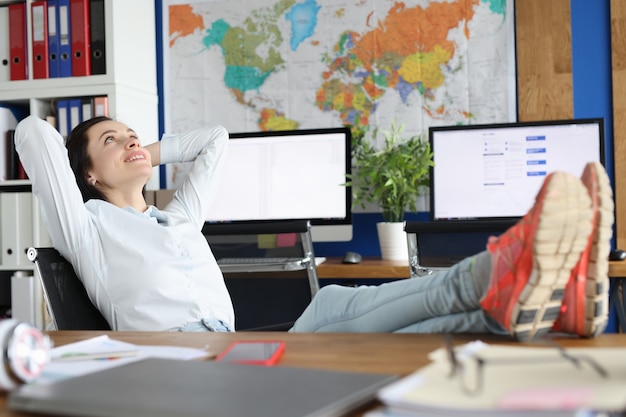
column 494, row 171
column 288, row 175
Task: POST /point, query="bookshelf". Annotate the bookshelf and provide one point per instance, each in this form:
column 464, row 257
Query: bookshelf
column 130, row 82
column 130, row 85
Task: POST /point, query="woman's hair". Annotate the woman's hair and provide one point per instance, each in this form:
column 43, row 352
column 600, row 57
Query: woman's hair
column 80, row 161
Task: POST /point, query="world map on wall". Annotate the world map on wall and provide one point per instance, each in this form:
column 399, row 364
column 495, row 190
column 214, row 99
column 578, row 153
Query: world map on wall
column 259, row 65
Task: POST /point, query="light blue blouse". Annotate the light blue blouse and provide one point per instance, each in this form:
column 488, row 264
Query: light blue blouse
column 149, row 271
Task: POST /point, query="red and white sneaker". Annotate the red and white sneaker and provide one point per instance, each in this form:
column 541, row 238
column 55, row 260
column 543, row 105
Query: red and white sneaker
column 531, row 262
column 585, row 308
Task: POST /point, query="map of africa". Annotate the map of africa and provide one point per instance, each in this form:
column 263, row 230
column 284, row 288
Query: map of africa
column 259, row 65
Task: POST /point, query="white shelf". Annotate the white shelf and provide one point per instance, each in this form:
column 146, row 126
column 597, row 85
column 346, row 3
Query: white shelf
column 62, row 87
column 130, row 50
column 12, row 183
column 13, row 268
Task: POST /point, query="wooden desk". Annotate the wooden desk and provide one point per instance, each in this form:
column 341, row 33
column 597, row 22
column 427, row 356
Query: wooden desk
column 368, row 268
column 398, row 354
column 380, row 269
column 376, row 268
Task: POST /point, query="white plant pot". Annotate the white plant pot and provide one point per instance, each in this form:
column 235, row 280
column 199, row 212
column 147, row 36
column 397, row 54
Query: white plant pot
column 392, row 240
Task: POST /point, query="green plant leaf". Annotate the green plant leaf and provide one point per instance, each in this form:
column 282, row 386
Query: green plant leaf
column 394, row 176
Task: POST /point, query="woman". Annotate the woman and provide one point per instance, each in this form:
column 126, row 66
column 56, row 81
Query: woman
column 150, row 269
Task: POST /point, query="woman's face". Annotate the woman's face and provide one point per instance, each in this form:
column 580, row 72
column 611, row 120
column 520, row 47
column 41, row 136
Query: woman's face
column 117, row 158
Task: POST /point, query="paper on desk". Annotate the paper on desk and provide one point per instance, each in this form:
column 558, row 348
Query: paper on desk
column 55, row 371
column 516, row 380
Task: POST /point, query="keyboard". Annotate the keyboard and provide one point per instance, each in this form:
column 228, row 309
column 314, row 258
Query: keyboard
column 256, row 261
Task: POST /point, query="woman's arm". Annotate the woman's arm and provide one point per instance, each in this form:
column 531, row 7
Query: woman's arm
column 44, row 156
column 206, row 149
column 155, row 153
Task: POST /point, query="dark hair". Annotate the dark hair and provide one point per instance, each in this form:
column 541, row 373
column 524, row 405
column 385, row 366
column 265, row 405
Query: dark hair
column 80, row 161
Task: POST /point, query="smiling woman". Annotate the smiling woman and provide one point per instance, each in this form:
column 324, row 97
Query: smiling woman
column 143, row 268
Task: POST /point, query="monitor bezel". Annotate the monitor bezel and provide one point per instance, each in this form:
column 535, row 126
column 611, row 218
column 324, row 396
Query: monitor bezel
column 434, row 129
column 345, row 221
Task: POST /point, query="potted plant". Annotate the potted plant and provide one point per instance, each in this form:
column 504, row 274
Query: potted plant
column 392, row 177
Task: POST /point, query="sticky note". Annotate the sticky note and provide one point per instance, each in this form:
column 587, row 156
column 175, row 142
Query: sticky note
column 284, row 240
column 266, row 241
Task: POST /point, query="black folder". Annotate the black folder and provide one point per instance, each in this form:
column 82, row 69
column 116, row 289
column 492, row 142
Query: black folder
column 97, row 42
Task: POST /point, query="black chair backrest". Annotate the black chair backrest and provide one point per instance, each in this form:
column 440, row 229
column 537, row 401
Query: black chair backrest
column 66, row 298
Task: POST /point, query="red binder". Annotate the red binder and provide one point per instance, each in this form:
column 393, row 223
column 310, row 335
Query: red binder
column 39, row 13
column 79, row 27
column 17, row 41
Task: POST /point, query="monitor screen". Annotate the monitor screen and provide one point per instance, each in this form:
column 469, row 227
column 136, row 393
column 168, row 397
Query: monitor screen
column 494, row 171
column 288, row 175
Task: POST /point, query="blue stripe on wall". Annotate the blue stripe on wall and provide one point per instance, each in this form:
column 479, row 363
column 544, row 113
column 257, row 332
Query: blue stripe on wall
column 158, row 4
column 591, row 66
column 592, row 78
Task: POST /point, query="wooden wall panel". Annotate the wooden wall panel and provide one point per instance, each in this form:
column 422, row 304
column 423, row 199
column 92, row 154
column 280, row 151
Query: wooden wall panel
column 544, row 76
column 544, row 60
column 618, row 46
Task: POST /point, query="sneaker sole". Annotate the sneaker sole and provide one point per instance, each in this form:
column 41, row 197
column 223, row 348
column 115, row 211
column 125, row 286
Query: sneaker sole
column 597, row 285
column 562, row 234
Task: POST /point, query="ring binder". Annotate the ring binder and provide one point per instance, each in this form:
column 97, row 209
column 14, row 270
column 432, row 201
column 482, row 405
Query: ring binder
column 81, row 56
column 97, row 34
column 5, row 54
column 39, row 29
column 17, row 41
column 65, row 38
column 53, row 39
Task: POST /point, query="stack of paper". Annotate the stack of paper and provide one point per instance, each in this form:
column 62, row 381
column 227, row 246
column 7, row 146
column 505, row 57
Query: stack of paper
column 101, row 352
column 516, row 380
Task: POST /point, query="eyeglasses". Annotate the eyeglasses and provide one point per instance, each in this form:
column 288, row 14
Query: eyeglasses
column 475, row 387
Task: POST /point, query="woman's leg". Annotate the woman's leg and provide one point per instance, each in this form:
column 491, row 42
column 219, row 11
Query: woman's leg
column 520, row 282
column 476, row 321
column 396, row 305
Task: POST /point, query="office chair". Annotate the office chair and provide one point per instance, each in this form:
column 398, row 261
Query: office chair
column 67, row 301
column 70, row 308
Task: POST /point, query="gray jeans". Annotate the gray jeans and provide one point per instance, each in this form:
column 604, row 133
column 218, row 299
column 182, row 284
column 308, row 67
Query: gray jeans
column 444, row 302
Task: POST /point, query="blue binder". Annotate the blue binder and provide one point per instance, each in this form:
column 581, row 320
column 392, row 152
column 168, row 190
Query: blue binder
column 53, row 39
column 65, row 38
